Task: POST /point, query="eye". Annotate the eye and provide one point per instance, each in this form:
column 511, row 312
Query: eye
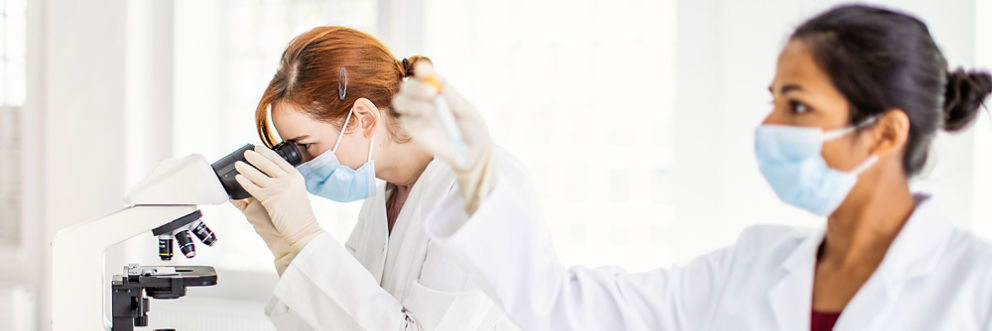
column 798, row 107
column 305, row 147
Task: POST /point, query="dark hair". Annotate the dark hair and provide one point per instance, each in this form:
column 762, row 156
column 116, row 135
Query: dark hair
column 882, row 60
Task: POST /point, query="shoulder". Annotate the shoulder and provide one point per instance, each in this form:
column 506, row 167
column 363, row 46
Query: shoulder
column 768, row 244
column 771, row 236
column 967, row 253
column 511, row 171
column 507, row 163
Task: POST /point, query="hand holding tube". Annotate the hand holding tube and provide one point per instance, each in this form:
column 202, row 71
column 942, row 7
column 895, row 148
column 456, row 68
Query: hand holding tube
column 446, row 124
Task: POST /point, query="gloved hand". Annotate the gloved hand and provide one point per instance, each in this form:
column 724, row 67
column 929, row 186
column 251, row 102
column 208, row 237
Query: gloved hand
column 280, row 188
column 260, row 220
column 416, row 104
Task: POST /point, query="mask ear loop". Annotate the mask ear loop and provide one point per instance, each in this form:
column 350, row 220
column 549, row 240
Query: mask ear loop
column 841, row 132
column 371, row 143
column 865, row 165
column 834, row 134
column 343, row 129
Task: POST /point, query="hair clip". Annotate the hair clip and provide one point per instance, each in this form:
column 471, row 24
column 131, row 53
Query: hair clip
column 342, row 77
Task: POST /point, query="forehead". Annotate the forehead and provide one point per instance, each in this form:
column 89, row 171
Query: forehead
column 796, row 65
column 291, row 121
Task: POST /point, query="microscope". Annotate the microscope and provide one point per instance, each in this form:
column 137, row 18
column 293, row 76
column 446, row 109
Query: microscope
column 164, row 203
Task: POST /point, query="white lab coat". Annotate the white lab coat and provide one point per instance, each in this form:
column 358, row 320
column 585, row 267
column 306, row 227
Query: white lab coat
column 934, row 276
column 379, row 281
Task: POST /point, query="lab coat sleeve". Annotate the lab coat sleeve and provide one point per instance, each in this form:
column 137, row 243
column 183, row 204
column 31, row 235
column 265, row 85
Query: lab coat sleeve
column 506, row 246
column 325, row 288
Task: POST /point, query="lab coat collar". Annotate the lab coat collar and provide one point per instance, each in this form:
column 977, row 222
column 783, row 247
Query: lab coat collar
column 915, row 252
column 376, row 237
column 407, row 245
column 922, row 240
column 791, row 296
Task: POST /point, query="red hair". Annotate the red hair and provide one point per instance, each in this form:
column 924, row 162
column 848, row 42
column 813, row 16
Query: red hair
column 309, row 70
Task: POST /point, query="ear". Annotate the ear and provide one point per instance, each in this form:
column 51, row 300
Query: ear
column 890, row 133
column 366, row 116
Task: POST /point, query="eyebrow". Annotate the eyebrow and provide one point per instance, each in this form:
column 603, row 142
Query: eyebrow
column 296, row 139
column 786, row 89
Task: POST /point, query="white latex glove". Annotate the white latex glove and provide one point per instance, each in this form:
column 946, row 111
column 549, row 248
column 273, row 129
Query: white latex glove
column 259, row 219
column 416, row 104
column 280, row 188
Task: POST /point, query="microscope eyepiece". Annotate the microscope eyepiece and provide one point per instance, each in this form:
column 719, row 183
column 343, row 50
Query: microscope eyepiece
column 226, row 172
column 288, row 151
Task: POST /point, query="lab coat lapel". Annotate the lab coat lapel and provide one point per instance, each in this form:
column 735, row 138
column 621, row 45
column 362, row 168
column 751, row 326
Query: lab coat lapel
column 914, row 253
column 791, row 296
column 408, row 241
column 371, row 252
column 402, row 254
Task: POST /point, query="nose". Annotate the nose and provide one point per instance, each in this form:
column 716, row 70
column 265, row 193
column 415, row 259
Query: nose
column 773, row 117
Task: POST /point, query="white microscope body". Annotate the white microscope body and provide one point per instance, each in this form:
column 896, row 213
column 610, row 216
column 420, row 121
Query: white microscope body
column 171, row 191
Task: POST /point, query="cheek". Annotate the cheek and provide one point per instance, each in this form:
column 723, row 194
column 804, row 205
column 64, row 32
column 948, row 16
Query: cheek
column 839, row 154
column 353, row 152
column 316, row 149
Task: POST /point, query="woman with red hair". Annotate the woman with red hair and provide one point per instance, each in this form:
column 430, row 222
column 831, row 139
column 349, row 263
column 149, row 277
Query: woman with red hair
column 332, row 97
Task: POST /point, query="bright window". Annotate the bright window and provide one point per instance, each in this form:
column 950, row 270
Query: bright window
column 12, row 88
column 12, row 52
column 566, row 95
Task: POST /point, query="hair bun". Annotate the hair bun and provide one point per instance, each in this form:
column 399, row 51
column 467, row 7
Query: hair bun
column 407, row 68
column 964, row 95
column 411, row 62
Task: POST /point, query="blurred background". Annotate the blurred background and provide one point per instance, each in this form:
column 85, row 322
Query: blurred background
column 635, row 118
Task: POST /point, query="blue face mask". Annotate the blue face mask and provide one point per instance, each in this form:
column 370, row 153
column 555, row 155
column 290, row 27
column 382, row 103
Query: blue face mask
column 325, row 176
column 789, row 158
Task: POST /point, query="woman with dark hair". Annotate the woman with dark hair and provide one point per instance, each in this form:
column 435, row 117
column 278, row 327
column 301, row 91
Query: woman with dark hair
column 859, row 94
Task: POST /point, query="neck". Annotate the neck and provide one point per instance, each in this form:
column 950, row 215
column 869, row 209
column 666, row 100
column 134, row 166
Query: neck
column 401, row 164
column 860, row 231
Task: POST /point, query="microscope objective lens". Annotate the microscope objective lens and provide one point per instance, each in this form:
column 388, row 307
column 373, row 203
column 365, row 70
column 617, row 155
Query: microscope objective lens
column 185, row 243
column 165, row 247
column 204, row 233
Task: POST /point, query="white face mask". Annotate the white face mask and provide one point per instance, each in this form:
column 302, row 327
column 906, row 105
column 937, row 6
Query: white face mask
column 789, row 158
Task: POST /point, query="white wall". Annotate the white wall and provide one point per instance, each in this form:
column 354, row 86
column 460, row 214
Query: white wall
column 80, row 102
